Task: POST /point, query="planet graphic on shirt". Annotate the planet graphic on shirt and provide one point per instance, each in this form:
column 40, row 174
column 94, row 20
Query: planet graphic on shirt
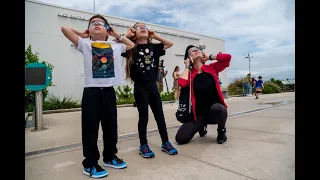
column 104, row 60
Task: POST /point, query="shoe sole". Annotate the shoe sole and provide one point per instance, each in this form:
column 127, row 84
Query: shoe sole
column 152, row 156
column 164, row 150
column 115, row 167
column 94, row 176
column 222, row 143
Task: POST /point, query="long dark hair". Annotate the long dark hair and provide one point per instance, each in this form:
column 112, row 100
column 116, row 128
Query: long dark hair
column 132, row 53
column 100, row 17
column 175, row 69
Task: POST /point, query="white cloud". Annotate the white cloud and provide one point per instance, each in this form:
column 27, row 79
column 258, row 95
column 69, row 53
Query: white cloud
column 265, row 28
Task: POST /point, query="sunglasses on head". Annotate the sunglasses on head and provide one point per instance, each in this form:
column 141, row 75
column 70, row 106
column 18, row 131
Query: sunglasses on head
column 100, row 23
column 140, row 27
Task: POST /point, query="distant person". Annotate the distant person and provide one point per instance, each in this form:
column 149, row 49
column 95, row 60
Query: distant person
column 161, row 75
column 176, row 86
column 247, row 86
column 253, row 82
column 259, row 87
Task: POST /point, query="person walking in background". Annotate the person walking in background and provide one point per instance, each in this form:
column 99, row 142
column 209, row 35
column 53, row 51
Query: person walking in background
column 176, row 86
column 246, row 85
column 161, row 74
column 259, row 87
column 253, row 82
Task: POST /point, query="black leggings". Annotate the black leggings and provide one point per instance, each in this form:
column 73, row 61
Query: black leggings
column 217, row 115
column 99, row 104
column 144, row 95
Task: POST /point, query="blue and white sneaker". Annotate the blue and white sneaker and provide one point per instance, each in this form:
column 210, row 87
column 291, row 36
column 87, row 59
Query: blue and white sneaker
column 95, row 172
column 168, row 148
column 116, row 163
column 146, row 152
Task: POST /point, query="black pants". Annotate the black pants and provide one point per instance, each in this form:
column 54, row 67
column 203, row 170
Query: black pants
column 145, row 95
column 216, row 115
column 99, row 104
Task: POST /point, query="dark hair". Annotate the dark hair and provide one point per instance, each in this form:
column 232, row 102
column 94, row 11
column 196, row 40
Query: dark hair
column 260, row 77
column 131, row 53
column 100, row 17
column 186, row 55
column 174, row 71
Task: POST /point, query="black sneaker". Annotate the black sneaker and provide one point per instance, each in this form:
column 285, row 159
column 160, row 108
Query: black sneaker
column 95, row 172
column 203, row 132
column 222, row 138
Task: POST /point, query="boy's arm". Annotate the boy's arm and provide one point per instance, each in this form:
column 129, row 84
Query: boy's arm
column 73, row 35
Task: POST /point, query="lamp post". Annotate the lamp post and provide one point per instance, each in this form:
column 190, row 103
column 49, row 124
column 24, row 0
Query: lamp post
column 249, row 58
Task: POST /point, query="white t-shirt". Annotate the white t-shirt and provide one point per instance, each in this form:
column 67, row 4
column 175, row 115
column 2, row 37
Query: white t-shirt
column 102, row 62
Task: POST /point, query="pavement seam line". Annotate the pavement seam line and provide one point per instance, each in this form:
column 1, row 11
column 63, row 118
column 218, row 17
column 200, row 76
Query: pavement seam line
column 124, row 136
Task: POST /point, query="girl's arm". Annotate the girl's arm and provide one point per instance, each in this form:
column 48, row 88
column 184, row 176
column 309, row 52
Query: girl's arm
column 167, row 44
column 73, row 35
column 129, row 44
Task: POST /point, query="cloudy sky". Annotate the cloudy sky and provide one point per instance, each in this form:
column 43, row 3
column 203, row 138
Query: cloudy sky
column 265, row 28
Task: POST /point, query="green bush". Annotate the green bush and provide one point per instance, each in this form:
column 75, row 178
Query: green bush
column 124, row 95
column 54, row 102
column 270, row 87
column 167, row 96
column 277, row 82
column 235, row 88
column 31, row 57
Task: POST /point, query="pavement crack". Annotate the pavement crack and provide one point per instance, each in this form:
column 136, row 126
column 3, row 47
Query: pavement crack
column 210, row 164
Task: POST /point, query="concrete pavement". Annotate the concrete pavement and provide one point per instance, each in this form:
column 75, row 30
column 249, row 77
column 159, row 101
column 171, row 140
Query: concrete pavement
column 260, row 146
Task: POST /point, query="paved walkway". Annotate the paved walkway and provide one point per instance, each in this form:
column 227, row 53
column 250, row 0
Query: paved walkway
column 260, row 146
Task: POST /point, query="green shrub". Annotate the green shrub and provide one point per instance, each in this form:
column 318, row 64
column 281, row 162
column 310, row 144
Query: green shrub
column 235, row 88
column 31, row 57
column 270, row 87
column 277, row 82
column 124, row 95
column 54, row 102
column 167, row 96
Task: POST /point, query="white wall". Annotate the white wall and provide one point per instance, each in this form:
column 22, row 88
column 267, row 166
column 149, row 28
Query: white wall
column 42, row 31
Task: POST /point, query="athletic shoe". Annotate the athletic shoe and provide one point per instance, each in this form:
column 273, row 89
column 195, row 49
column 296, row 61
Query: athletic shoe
column 145, row 151
column 203, row 132
column 168, row 148
column 116, row 163
column 95, row 172
column 222, row 138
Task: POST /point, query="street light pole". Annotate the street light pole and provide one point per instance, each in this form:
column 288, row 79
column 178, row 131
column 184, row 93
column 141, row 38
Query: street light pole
column 94, row 6
column 249, row 58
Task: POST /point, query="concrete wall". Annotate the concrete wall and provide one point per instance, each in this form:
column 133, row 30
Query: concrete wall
column 42, row 31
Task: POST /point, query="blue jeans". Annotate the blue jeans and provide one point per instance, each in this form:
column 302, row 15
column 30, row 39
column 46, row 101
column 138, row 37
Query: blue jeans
column 247, row 88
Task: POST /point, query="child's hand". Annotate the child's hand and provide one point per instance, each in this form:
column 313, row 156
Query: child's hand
column 131, row 33
column 152, row 34
column 114, row 33
column 85, row 34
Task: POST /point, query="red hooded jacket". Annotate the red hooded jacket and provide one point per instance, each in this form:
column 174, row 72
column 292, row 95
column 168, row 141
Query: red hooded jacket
column 223, row 61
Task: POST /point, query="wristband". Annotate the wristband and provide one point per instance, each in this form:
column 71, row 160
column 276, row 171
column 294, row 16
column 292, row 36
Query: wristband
column 210, row 57
column 120, row 38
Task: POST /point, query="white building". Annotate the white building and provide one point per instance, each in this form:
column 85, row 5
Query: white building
column 43, row 32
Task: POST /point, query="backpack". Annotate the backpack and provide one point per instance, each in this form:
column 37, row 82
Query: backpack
column 184, row 113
